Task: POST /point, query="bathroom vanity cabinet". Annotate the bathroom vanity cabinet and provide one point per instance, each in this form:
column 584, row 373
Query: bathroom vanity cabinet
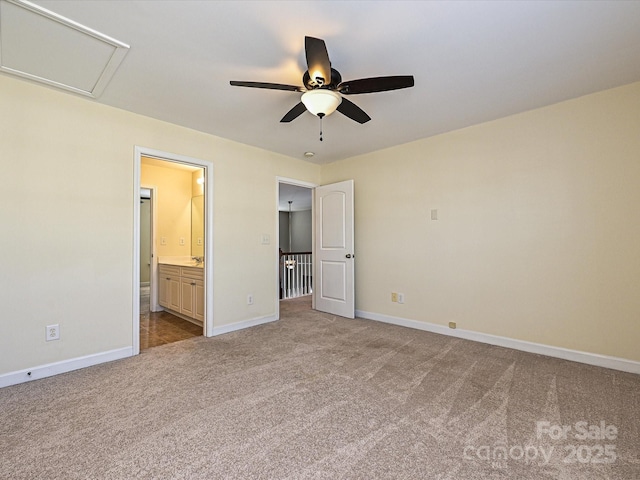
column 181, row 291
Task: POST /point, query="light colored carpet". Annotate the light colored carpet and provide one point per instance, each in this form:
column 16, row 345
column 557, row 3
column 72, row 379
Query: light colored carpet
column 317, row 396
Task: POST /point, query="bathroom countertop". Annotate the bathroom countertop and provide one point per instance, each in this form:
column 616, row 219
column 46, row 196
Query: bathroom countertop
column 180, row 262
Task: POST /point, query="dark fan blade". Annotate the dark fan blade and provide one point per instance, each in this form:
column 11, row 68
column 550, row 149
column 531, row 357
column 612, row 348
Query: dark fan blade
column 270, row 86
column 294, row 113
column 353, row 111
column 375, row 84
column 317, row 59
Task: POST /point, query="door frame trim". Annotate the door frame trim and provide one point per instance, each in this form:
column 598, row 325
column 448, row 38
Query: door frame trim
column 297, row 183
column 153, row 268
column 207, row 165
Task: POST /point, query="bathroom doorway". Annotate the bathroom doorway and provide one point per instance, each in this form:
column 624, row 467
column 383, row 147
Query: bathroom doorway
column 176, row 192
column 146, row 254
column 156, row 327
column 179, row 223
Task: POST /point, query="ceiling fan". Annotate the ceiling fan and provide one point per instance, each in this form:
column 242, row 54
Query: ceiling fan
column 323, row 89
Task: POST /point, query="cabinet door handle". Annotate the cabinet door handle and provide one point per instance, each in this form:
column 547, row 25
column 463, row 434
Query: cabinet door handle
column 168, row 278
column 194, row 284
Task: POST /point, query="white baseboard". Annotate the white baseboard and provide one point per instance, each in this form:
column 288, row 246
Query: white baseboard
column 232, row 327
column 42, row 371
column 595, row 359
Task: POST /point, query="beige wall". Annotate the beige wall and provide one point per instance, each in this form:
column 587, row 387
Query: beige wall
column 66, row 210
column 173, row 189
column 538, row 230
column 197, row 188
column 537, row 236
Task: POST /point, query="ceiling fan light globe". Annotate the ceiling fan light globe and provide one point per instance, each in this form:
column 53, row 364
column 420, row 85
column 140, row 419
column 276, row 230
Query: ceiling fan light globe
column 321, row 101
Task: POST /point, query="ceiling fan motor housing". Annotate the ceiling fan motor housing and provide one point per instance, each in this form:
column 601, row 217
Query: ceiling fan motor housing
column 312, row 83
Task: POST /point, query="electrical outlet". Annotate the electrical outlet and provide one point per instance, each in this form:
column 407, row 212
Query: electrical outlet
column 53, row 332
column 452, row 324
column 394, row 297
column 249, row 299
column 401, row 298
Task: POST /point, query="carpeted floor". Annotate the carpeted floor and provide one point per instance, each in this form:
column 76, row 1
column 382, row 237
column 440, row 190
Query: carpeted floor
column 317, row 396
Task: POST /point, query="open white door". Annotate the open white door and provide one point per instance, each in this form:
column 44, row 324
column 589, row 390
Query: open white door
column 334, row 253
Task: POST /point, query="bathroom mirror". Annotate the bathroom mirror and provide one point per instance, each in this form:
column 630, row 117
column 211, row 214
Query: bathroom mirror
column 197, row 226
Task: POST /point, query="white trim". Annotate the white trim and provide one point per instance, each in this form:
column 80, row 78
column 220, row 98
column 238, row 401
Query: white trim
column 588, row 358
column 298, row 183
column 50, row 369
column 207, row 165
column 135, row 341
column 254, row 322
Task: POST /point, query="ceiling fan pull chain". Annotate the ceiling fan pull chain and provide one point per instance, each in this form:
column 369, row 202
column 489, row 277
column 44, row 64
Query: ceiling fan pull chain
column 321, row 115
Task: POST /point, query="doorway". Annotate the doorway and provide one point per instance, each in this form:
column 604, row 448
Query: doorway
column 146, row 241
column 174, row 245
column 295, row 243
column 179, row 220
column 332, row 238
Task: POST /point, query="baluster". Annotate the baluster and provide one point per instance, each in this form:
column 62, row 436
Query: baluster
column 288, row 277
column 291, row 285
column 295, row 277
column 300, row 291
column 294, row 282
column 285, row 280
column 306, row 275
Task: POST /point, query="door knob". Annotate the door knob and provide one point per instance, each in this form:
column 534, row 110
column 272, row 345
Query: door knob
column 348, row 255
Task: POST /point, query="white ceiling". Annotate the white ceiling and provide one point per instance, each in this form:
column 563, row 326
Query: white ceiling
column 300, row 198
column 472, row 62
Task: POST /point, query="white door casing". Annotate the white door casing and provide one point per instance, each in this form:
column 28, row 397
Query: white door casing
column 334, row 290
column 207, row 165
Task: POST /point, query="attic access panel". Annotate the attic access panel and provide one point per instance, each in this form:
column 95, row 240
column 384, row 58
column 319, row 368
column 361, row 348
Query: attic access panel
column 45, row 47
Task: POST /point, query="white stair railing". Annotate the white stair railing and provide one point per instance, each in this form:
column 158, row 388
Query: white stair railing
column 296, row 274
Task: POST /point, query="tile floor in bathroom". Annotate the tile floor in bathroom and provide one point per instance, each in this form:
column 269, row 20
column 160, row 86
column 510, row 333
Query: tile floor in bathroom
column 159, row 328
